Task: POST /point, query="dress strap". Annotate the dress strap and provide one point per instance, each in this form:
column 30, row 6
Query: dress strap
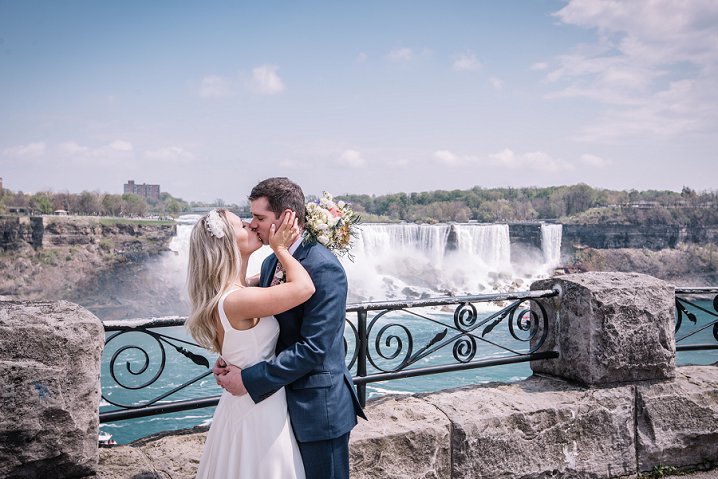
column 220, row 309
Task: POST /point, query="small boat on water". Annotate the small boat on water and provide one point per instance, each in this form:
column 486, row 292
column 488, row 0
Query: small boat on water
column 104, row 439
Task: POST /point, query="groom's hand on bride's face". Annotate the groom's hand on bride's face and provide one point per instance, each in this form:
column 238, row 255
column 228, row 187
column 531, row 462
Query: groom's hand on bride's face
column 231, row 381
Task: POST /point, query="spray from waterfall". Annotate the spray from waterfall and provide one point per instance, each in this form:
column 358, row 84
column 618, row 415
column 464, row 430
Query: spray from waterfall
column 409, row 261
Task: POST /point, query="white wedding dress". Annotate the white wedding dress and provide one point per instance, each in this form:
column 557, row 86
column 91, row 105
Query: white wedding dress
column 248, row 440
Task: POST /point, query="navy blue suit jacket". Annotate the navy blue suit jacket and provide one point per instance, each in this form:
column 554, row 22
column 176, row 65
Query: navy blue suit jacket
column 310, row 353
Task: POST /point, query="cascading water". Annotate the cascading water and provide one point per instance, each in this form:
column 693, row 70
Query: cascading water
column 551, row 244
column 398, row 261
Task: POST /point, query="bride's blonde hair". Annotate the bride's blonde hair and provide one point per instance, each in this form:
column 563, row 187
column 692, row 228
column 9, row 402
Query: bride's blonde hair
column 214, row 264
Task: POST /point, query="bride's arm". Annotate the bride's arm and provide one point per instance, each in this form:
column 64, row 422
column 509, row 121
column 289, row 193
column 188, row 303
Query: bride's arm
column 249, row 303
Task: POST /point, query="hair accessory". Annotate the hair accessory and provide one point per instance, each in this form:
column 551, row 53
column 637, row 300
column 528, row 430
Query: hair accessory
column 215, row 225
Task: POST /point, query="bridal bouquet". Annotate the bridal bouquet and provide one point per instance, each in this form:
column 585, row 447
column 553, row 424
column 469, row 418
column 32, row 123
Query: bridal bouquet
column 332, row 224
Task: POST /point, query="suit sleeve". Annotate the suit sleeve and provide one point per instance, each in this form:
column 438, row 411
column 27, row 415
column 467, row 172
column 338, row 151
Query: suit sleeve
column 323, row 317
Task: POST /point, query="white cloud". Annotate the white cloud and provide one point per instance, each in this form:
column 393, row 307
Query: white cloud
column 497, row 83
column 71, row 148
column 654, row 66
column 362, row 57
column 266, row 81
column 119, row 145
column 536, row 160
column 213, row 86
column 538, row 66
column 595, row 161
column 352, row 159
column 465, row 62
column 447, row 158
column 30, row 150
column 170, row 154
column 401, row 54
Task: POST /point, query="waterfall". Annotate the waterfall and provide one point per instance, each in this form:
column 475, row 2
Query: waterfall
column 488, row 242
column 399, row 261
column 379, row 238
column 551, row 244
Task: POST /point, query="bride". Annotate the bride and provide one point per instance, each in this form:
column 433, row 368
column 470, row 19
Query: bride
column 229, row 316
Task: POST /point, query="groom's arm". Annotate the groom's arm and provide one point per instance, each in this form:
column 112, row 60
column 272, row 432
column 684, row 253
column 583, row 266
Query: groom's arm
column 324, row 315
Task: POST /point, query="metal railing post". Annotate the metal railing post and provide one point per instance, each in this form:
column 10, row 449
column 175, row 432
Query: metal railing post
column 361, row 358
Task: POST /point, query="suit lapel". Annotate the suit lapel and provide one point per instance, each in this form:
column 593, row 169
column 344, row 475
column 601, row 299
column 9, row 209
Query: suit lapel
column 303, row 250
column 268, row 272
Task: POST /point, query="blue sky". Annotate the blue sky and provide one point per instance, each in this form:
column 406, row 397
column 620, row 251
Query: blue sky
column 207, row 98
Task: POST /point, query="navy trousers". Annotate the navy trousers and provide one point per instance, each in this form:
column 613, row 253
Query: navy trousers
column 326, row 459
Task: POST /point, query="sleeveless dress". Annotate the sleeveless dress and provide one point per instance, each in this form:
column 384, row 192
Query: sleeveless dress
column 248, row 440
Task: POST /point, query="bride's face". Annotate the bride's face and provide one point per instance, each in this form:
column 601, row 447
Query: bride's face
column 247, row 240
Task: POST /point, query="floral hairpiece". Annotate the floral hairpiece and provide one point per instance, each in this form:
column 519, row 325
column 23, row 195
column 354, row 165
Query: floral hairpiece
column 332, row 224
column 215, row 225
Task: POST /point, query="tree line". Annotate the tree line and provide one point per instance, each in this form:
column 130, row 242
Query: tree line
column 565, row 203
column 574, row 203
column 93, row 203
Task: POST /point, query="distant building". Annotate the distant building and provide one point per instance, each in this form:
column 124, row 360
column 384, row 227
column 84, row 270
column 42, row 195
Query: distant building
column 144, row 190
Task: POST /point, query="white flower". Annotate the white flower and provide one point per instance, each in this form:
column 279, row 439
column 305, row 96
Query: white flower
column 215, row 225
column 341, row 204
column 323, row 239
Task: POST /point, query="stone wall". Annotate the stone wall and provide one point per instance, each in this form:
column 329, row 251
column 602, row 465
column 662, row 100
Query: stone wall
column 538, row 428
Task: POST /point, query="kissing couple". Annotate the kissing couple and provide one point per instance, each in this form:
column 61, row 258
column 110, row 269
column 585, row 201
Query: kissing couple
column 289, row 403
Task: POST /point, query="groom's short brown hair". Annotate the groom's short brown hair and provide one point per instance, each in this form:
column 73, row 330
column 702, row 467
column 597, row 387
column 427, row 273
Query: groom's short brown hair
column 281, row 193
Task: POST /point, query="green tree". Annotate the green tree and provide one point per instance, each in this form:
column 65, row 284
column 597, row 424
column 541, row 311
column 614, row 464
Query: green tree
column 112, row 205
column 42, row 203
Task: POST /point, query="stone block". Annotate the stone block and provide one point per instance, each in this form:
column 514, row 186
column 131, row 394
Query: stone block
column 540, row 428
column 405, row 437
column 677, row 421
column 609, row 328
column 49, row 389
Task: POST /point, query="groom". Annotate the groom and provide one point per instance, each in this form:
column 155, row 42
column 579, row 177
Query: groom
column 310, row 350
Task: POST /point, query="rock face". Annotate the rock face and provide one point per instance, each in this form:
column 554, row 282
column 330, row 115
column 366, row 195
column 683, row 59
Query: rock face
column 539, row 428
column 415, row 432
column 605, row 236
column 677, row 421
column 608, row 328
column 16, row 232
column 49, row 378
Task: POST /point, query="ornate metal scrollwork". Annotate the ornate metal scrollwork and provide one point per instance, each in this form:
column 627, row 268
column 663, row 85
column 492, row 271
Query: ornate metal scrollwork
column 135, row 368
column 690, row 310
column 394, row 343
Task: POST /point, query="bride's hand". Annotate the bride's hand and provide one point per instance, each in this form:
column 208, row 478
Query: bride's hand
column 286, row 234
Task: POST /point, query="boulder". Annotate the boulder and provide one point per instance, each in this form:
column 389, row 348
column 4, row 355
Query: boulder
column 49, row 389
column 677, row 421
column 405, row 437
column 540, row 428
column 608, row 328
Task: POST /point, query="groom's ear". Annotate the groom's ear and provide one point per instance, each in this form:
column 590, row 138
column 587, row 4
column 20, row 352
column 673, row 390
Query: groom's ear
column 284, row 213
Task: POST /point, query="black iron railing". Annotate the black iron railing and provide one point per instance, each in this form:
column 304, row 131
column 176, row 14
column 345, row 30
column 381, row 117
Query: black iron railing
column 385, row 341
column 693, row 305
